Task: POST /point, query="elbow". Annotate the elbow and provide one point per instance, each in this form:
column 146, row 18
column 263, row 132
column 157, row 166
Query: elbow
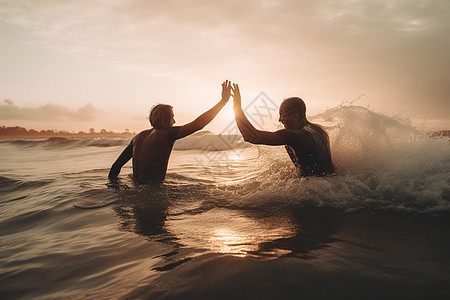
column 249, row 136
column 253, row 139
column 247, row 139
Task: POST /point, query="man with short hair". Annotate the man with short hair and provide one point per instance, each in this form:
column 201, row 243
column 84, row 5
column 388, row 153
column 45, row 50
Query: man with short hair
column 151, row 148
column 307, row 144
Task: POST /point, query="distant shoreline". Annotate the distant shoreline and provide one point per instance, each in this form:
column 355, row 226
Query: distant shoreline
column 21, row 132
column 439, row 133
column 4, row 137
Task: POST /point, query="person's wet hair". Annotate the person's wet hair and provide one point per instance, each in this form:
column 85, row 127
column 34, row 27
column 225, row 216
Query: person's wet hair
column 160, row 116
column 295, row 105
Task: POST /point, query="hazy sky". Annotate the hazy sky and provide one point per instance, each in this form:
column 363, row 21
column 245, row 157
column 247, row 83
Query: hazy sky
column 78, row 64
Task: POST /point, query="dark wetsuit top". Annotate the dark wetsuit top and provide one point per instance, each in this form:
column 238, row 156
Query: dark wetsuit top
column 309, row 150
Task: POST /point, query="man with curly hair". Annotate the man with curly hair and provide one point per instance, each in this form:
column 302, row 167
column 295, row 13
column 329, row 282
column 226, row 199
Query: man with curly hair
column 151, row 148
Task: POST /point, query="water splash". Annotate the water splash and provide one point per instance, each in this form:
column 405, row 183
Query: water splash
column 382, row 163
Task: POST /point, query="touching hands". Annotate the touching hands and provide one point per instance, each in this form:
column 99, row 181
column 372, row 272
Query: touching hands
column 226, row 91
column 236, row 95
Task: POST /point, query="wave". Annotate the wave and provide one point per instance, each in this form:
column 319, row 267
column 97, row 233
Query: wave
column 205, row 142
column 8, row 184
column 401, row 185
column 63, row 142
column 383, row 163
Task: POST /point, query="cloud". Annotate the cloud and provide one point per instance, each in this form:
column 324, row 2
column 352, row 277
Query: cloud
column 47, row 112
column 395, row 50
column 163, row 34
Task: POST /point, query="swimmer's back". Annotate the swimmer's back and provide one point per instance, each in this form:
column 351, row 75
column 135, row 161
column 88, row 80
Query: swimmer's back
column 311, row 148
column 151, row 152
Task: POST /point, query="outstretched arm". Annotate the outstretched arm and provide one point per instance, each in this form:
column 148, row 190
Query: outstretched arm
column 248, row 131
column 123, row 158
column 208, row 116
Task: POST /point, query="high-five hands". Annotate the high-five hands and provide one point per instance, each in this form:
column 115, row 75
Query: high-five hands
column 226, row 91
column 227, row 88
column 236, row 95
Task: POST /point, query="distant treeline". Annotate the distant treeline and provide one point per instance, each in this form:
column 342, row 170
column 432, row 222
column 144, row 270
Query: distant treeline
column 23, row 132
column 440, row 133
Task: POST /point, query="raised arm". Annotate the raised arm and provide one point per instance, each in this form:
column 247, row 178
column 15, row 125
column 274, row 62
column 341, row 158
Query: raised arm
column 248, row 131
column 123, row 158
column 208, row 116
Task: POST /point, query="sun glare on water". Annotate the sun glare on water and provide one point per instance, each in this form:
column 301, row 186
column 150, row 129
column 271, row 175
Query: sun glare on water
column 224, row 240
column 223, row 231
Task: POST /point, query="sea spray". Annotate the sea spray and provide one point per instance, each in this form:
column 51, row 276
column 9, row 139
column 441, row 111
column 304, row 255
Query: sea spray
column 382, row 163
column 360, row 137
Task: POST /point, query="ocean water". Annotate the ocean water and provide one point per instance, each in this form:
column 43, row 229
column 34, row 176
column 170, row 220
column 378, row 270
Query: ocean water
column 232, row 220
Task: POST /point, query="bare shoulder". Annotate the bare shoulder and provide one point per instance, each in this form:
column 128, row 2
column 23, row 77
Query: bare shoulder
column 143, row 134
column 302, row 133
column 314, row 129
column 316, row 126
column 318, row 133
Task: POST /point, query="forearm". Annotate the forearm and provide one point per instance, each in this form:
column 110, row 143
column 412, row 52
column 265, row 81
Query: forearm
column 248, row 131
column 114, row 171
column 255, row 136
column 123, row 158
column 205, row 118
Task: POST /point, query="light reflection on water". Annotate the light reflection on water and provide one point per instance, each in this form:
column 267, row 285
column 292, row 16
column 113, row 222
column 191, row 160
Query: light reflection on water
column 231, row 232
column 224, row 240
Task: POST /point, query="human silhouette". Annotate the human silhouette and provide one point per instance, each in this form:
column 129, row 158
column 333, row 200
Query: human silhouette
column 151, row 148
column 307, row 144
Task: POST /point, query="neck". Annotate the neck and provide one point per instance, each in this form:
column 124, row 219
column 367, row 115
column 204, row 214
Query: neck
column 300, row 124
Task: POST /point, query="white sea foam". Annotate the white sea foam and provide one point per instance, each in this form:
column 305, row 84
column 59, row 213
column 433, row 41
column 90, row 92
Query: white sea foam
column 382, row 163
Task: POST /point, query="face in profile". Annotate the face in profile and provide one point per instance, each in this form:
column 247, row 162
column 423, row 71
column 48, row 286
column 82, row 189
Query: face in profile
column 172, row 118
column 292, row 112
column 287, row 117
